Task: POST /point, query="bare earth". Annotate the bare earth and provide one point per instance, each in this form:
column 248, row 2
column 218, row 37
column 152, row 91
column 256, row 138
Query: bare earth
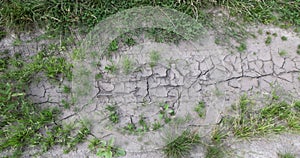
column 184, row 75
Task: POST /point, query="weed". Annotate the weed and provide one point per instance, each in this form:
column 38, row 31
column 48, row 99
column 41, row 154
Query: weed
column 268, row 40
column 113, row 113
column 17, row 42
column 286, row 155
column 66, row 89
column 284, row 38
column 260, row 31
column 166, row 112
column 130, row 127
column 298, row 49
column 65, row 104
column 218, row 135
column 214, row 151
column 277, row 116
column 98, row 76
column 127, row 65
column 129, row 41
column 111, row 68
column 275, row 34
column 283, row 53
column 200, row 109
column 242, row 47
column 144, row 126
column 105, row 149
column 156, row 125
column 154, row 58
column 113, row 46
column 181, row 145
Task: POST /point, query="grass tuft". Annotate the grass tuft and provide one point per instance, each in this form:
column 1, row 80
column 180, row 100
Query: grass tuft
column 180, row 146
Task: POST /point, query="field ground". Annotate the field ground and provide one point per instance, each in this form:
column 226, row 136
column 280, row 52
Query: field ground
column 233, row 93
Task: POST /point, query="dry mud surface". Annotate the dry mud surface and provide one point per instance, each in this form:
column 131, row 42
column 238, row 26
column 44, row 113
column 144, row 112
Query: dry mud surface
column 183, row 76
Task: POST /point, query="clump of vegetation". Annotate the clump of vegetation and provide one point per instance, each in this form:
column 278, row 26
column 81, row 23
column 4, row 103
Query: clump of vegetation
column 180, row 146
column 156, row 126
column 154, row 58
column 283, row 53
column 127, row 65
column 166, row 112
column 111, row 68
column 242, row 47
column 268, row 40
column 106, row 149
column 214, row 151
column 200, row 109
column 298, row 50
column 276, row 117
column 286, row 155
column 284, row 38
column 113, row 113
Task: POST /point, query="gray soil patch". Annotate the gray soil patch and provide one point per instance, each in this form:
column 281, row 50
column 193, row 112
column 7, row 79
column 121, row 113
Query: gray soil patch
column 180, row 78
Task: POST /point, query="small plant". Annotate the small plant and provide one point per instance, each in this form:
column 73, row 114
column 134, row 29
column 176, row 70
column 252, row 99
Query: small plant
column 105, row 149
column 298, row 50
column 275, row 34
column 127, row 65
column 268, row 40
column 214, row 151
column 130, row 127
column 144, row 126
column 242, row 47
column 154, row 58
column 180, row 146
column 98, row 76
column 129, row 41
column 283, row 53
column 111, row 68
column 218, row 136
column 286, row 155
column 284, row 38
column 200, row 109
column 65, row 104
column 66, row 89
column 113, row 46
column 113, row 113
column 156, row 126
column 17, row 42
column 166, row 112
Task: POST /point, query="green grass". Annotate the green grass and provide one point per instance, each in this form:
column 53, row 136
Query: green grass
column 111, row 68
column 113, row 113
column 242, row 47
column 284, row 38
column 200, row 109
column 180, row 146
column 105, row 149
column 24, row 124
column 268, row 40
column 56, row 14
column 283, row 53
column 277, row 116
column 214, row 151
column 127, row 65
column 154, row 58
column 286, row 155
